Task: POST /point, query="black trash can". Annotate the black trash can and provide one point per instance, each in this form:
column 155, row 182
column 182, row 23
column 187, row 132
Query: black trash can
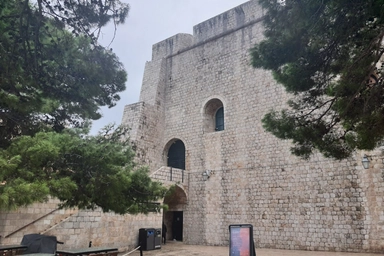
column 147, row 238
column 158, row 238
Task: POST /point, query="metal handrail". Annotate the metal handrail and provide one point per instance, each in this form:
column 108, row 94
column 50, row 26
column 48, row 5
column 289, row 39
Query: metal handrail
column 170, row 173
column 61, row 221
column 23, row 227
column 49, row 213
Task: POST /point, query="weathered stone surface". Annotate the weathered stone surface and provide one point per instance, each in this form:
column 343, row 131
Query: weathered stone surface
column 76, row 228
column 293, row 204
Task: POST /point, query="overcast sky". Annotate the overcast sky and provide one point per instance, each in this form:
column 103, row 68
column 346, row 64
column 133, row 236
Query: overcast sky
column 149, row 22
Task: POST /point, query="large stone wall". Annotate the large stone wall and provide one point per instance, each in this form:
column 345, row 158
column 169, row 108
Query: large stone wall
column 76, row 228
column 38, row 218
column 293, row 204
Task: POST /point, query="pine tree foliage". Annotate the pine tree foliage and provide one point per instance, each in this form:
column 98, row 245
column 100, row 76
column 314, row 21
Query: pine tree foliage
column 329, row 55
column 80, row 170
column 54, row 77
column 52, row 71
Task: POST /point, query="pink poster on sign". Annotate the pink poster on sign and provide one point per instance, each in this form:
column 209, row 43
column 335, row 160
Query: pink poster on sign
column 240, row 243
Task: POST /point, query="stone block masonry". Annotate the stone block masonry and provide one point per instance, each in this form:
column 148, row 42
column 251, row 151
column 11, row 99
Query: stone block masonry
column 76, row 228
column 293, row 204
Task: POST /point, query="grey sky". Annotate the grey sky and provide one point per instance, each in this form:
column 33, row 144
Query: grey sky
column 149, row 22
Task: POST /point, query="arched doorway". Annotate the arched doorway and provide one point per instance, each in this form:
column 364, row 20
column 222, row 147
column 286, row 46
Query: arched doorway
column 176, row 155
column 173, row 218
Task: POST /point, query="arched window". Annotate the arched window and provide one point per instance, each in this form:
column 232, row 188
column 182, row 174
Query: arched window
column 213, row 116
column 219, row 119
column 176, row 155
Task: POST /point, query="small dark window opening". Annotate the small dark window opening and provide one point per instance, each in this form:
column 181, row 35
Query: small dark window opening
column 219, row 119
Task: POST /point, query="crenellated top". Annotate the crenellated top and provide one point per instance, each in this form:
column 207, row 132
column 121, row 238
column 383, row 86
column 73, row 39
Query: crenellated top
column 227, row 22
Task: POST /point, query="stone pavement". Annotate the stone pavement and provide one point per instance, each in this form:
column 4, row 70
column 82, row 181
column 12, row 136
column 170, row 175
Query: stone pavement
column 180, row 249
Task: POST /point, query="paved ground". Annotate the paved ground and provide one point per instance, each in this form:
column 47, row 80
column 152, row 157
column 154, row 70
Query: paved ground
column 180, row 249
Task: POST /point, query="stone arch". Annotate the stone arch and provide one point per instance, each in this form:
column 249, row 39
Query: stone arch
column 175, row 153
column 210, row 110
column 177, row 198
column 173, row 218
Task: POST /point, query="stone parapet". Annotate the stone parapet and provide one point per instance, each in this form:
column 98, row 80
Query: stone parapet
column 227, row 22
column 237, row 18
column 169, row 175
column 171, row 46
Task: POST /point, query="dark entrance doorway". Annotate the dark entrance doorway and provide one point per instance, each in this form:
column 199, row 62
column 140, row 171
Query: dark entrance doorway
column 177, row 226
column 174, row 218
column 176, row 155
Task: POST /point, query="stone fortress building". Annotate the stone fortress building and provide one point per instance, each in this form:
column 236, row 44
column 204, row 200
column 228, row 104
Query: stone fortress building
column 198, row 125
column 200, row 111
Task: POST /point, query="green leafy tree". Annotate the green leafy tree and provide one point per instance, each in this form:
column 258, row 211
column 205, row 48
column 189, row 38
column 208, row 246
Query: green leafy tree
column 53, row 73
column 82, row 171
column 53, row 76
column 328, row 55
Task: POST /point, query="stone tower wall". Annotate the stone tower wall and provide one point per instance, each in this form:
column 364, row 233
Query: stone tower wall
column 146, row 118
column 293, row 204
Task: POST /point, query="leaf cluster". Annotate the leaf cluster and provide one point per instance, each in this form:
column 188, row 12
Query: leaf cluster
column 54, row 75
column 50, row 77
column 80, row 170
column 328, row 54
